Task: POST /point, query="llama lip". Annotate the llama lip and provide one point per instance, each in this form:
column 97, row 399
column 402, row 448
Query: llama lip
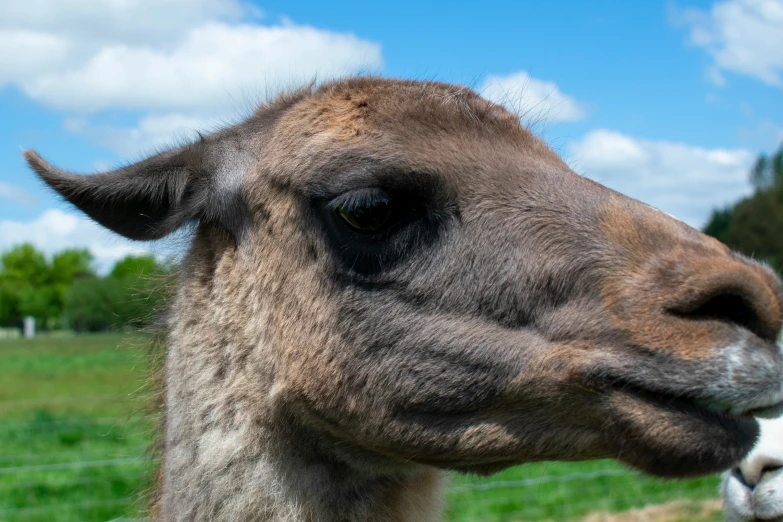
column 706, row 407
column 670, row 401
column 768, row 412
column 765, row 412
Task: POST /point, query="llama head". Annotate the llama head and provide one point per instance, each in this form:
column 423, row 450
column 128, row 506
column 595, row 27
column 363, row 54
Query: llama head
column 754, row 489
column 417, row 279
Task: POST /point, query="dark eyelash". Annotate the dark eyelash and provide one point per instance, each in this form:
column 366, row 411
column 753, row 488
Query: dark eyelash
column 360, row 198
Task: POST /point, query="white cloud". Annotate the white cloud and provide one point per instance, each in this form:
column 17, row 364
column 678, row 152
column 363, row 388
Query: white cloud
column 684, row 181
column 49, row 36
column 135, row 22
column 741, row 36
column 180, row 63
column 152, row 133
column 27, row 53
column 55, row 230
column 531, row 98
column 163, row 55
column 207, row 72
column 15, row 195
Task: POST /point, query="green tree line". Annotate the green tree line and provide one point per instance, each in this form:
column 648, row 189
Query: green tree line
column 65, row 292
column 754, row 225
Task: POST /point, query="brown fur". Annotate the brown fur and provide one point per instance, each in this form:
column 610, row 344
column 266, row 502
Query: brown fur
column 518, row 312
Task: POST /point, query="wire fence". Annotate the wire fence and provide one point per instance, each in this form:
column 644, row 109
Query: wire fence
column 57, row 468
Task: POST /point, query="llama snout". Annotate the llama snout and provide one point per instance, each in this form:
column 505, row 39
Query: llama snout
column 754, row 489
column 753, row 380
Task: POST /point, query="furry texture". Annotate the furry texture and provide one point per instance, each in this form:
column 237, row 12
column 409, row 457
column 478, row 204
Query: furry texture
column 754, row 490
column 511, row 311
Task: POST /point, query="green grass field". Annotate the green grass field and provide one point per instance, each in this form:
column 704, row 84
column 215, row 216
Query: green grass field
column 73, row 429
column 73, row 433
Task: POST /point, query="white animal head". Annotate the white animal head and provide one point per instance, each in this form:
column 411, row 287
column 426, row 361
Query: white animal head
column 754, row 490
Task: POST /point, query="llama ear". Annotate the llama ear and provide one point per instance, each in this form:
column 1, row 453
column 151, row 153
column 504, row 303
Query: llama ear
column 152, row 198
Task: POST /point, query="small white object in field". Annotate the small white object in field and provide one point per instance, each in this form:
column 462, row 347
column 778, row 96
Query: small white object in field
column 29, row 327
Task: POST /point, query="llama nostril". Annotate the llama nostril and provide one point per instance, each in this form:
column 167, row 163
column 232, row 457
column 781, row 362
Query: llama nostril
column 752, row 471
column 771, row 468
column 755, row 476
column 729, row 308
column 735, row 296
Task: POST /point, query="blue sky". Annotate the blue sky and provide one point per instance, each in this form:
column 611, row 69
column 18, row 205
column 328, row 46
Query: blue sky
column 667, row 102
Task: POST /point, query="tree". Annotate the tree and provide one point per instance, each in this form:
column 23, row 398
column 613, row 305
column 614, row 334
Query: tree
column 759, row 174
column 25, row 265
column 142, row 280
column 754, row 225
column 31, row 285
column 67, row 287
column 25, row 277
column 42, row 302
column 136, row 266
column 90, row 304
column 9, row 304
column 69, row 264
column 719, row 224
column 776, row 166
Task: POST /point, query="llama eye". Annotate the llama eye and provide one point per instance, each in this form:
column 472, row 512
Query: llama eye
column 365, row 211
column 367, row 219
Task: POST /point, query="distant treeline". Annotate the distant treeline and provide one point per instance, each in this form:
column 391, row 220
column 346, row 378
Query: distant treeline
column 754, row 225
column 64, row 291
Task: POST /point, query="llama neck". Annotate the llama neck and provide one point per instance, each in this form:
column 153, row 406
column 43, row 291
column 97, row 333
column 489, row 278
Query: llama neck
column 222, row 465
column 230, row 453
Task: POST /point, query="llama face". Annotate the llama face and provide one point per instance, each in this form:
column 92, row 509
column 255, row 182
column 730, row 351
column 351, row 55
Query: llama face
column 419, row 280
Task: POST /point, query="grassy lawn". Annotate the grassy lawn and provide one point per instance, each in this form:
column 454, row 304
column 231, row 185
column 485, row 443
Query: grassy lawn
column 73, row 429
column 73, row 432
column 569, row 491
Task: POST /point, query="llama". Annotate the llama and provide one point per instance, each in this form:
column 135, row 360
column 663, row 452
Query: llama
column 390, row 279
column 754, row 490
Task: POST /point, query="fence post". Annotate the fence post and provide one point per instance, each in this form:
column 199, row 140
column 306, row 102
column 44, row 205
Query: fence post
column 29, row 327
